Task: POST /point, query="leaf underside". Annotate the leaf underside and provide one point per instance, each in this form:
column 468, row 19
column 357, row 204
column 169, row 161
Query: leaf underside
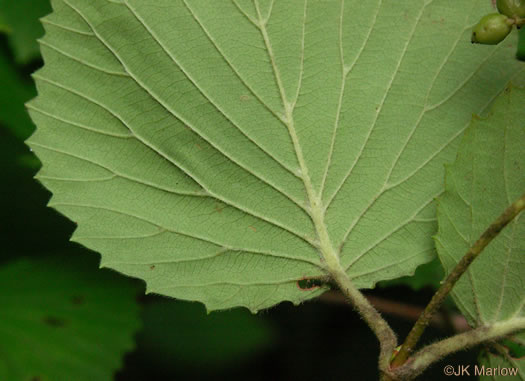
column 487, row 176
column 219, row 150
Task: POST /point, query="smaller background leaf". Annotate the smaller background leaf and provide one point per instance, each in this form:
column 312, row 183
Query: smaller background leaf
column 63, row 320
column 20, row 19
column 487, row 176
column 428, row 275
column 514, row 358
column 14, row 92
column 516, row 346
column 521, row 45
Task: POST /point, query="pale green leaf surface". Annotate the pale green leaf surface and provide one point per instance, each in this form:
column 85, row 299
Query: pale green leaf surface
column 487, row 176
column 60, row 321
column 224, row 150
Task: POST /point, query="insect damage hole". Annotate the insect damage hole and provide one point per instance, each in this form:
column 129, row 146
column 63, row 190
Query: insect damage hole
column 78, row 300
column 54, row 321
column 307, row 284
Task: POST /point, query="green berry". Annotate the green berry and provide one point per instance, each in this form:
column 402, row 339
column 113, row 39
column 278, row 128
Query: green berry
column 491, row 30
column 512, row 8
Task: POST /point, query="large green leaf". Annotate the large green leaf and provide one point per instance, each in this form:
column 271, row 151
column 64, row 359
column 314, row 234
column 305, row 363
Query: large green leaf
column 487, row 176
column 61, row 321
column 224, row 150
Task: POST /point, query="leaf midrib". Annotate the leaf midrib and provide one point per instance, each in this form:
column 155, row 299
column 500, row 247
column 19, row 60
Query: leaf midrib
column 315, row 209
column 329, row 256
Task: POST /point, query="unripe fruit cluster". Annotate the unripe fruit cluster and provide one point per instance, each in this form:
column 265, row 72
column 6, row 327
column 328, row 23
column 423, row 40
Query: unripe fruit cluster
column 495, row 27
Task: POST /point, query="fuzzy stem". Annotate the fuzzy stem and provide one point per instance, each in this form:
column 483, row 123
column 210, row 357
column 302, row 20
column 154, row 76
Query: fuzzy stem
column 434, row 352
column 385, row 334
column 417, row 330
column 519, row 22
column 329, row 256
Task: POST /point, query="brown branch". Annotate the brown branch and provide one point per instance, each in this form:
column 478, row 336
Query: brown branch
column 413, row 337
column 454, row 322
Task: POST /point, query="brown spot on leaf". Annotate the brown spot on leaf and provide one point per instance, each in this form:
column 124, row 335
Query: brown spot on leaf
column 152, row 267
column 245, row 98
column 78, row 300
column 252, row 228
column 54, row 321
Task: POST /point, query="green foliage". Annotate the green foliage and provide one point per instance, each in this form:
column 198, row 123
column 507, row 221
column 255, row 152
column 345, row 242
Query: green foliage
column 195, row 163
column 178, row 333
column 19, row 19
column 280, row 137
column 510, row 355
column 14, row 92
column 428, row 275
column 520, row 55
column 3, row 27
column 64, row 320
column 515, row 346
column 487, row 176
